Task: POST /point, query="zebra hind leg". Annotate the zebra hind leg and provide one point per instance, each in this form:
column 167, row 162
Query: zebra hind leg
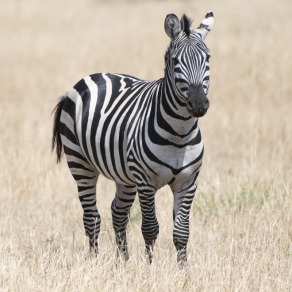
column 86, row 178
column 121, row 205
column 91, row 217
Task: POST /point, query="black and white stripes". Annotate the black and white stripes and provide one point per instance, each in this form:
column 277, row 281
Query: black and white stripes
column 140, row 134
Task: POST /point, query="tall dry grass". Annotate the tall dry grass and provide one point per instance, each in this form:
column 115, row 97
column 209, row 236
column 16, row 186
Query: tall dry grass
column 241, row 217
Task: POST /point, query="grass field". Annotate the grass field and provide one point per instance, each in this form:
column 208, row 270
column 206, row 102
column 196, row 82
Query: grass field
column 241, row 219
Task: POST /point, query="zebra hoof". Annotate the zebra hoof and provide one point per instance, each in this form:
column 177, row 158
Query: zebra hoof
column 93, row 248
column 149, row 253
column 182, row 259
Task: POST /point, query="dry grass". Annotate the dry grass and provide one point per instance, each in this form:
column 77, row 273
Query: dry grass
column 241, row 217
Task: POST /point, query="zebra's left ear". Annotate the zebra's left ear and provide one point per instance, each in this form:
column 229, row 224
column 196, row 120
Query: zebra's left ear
column 206, row 25
column 172, row 26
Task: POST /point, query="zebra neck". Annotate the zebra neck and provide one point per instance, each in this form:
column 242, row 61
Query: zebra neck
column 171, row 118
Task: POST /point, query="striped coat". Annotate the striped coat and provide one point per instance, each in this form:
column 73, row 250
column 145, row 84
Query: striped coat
column 140, row 134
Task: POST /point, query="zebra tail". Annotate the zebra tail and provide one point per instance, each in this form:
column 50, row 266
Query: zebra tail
column 56, row 139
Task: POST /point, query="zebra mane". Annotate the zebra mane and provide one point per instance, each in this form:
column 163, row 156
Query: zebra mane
column 186, row 24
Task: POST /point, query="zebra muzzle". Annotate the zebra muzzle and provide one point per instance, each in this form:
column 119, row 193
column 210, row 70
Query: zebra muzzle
column 198, row 103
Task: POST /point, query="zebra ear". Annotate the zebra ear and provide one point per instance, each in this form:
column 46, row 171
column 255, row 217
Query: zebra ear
column 172, row 26
column 206, row 25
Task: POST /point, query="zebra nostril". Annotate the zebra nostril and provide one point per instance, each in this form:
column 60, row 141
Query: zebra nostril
column 190, row 105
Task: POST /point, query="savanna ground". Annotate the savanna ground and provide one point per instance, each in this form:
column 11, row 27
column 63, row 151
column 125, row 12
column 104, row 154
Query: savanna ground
column 241, row 219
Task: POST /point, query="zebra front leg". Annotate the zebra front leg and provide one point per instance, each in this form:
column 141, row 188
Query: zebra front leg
column 150, row 227
column 121, row 205
column 181, row 210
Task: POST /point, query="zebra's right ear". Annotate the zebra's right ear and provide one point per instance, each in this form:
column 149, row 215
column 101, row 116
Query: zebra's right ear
column 172, row 26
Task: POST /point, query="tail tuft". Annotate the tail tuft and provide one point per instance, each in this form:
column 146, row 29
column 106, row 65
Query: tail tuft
column 56, row 139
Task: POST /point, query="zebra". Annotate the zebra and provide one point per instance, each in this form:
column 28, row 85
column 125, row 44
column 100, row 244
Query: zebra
column 140, row 134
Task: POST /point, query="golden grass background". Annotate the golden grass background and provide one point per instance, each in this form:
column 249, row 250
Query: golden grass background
column 241, row 218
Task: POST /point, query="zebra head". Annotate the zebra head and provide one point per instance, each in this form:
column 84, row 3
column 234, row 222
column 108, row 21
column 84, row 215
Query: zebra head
column 187, row 62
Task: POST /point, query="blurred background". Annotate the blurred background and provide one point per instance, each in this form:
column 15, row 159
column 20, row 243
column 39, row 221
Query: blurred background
column 47, row 46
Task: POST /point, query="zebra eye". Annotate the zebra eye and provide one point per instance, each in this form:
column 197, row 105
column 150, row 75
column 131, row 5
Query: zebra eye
column 175, row 60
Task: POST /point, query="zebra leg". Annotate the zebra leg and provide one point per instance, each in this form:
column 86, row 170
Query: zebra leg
column 86, row 178
column 121, row 205
column 91, row 217
column 150, row 227
column 181, row 210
